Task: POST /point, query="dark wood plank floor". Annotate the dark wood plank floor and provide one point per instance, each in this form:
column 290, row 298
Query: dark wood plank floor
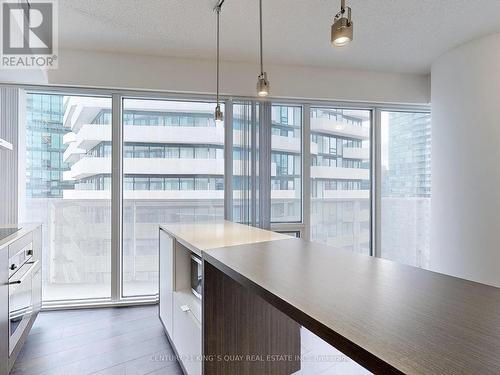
column 115, row 341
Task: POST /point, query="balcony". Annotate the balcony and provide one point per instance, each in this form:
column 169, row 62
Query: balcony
column 345, row 194
column 91, row 135
column 72, row 154
column 91, row 166
column 356, row 153
column 148, row 195
column 339, row 128
column 87, row 167
column 81, row 110
column 340, row 173
column 88, row 136
column 285, row 194
column 286, row 144
column 175, row 134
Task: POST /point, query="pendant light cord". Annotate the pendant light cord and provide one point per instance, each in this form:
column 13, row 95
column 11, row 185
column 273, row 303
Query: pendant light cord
column 260, row 17
column 218, row 13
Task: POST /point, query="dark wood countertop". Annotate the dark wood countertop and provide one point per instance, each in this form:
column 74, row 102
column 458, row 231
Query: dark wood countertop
column 388, row 317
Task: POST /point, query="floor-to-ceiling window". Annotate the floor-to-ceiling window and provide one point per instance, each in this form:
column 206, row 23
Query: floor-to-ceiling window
column 174, row 171
column 340, row 178
column 63, row 166
column 405, row 187
column 173, row 162
column 286, row 163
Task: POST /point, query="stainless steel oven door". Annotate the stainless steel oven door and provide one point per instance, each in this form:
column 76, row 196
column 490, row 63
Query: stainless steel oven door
column 20, row 302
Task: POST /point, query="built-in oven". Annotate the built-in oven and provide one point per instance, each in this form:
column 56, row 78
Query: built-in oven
column 22, row 268
column 196, row 275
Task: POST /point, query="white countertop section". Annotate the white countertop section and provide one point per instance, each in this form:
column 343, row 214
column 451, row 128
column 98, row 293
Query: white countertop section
column 24, row 229
column 212, row 235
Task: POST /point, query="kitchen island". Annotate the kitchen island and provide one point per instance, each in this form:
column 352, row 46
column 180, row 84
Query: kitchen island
column 388, row 317
column 181, row 309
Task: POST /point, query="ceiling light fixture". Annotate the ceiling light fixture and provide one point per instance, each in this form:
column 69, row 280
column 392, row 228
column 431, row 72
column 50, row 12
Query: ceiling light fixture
column 262, row 82
column 218, row 115
column 342, row 27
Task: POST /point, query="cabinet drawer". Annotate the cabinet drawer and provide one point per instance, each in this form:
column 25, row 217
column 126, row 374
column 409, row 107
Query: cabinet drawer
column 21, row 243
column 187, row 337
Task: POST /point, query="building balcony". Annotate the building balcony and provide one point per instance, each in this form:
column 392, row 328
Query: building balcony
column 91, row 135
column 340, row 173
column 148, row 195
column 286, row 144
column 170, row 195
column 345, row 194
column 88, row 136
column 285, row 194
column 338, row 128
column 82, row 110
column 279, row 143
column 91, row 166
column 356, row 153
column 72, row 154
column 87, row 167
column 174, row 134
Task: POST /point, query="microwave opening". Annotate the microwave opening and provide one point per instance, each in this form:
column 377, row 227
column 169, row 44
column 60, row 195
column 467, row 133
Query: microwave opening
column 196, row 275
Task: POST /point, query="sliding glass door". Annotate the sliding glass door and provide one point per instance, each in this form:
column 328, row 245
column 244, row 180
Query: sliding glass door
column 64, row 183
column 173, row 162
column 340, row 178
column 406, row 187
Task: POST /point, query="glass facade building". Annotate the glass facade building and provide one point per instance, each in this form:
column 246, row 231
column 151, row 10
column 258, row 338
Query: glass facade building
column 406, row 187
column 44, row 146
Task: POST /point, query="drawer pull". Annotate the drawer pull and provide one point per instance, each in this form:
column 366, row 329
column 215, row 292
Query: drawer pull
column 185, row 308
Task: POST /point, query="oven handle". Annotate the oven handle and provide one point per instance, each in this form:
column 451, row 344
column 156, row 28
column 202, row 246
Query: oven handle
column 21, row 279
column 196, row 258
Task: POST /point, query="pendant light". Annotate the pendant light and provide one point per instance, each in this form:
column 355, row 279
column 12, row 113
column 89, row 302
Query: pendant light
column 342, row 27
column 218, row 115
column 262, row 82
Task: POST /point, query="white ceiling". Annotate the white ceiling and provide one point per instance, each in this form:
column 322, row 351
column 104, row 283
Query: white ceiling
column 389, row 35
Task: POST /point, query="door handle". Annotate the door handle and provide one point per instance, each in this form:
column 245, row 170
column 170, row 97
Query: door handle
column 21, row 279
column 185, row 308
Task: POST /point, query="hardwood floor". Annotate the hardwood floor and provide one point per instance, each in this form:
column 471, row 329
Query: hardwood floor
column 107, row 341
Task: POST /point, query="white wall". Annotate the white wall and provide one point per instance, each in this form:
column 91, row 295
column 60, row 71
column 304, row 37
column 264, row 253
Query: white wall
column 131, row 71
column 27, row 76
column 465, row 235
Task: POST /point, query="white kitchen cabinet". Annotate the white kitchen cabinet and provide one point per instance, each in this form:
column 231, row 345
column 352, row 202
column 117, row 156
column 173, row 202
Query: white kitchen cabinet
column 166, row 287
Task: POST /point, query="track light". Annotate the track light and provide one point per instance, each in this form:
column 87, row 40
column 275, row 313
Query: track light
column 218, row 115
column 262, row 82
column 262, row 85
column 342, row 27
